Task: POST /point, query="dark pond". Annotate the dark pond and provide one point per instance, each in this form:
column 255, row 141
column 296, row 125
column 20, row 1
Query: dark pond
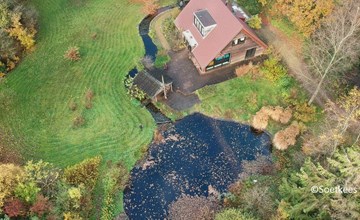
column 198, row 151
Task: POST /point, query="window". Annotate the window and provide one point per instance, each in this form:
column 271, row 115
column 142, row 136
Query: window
column 250, row 53
column 199, row 26
column 239, row 40
column 219, row 61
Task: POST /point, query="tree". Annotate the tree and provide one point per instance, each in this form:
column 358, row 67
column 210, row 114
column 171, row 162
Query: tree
column 341, row 125
column 24, row 35
column 335, row 46
column 306, row 15
column 327, row 200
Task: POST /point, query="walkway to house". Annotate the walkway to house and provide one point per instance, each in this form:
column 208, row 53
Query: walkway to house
column 157, row 25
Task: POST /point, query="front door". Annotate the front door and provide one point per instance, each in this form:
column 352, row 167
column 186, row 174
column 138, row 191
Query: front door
column 250, row 53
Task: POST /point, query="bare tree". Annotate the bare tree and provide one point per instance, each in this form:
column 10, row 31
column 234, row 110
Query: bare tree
column 341, row 126
column 335, row 46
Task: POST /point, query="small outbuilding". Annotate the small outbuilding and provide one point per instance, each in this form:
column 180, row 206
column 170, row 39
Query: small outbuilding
column 154, row 83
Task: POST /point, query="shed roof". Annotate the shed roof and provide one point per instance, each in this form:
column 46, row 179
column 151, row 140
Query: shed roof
column 151, row 83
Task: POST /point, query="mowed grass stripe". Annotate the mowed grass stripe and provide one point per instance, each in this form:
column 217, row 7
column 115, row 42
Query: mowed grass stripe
column 45, row 83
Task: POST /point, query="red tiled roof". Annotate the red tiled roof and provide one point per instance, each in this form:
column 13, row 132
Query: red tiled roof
column 227, row 27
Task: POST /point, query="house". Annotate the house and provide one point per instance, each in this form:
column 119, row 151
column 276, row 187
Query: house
column 154, row 83
column 216, row 34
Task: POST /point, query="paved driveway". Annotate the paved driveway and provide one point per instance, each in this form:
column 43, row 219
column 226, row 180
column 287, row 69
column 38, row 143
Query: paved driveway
column 187, row 79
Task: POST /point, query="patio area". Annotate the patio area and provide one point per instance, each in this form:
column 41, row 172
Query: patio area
column 187, row 79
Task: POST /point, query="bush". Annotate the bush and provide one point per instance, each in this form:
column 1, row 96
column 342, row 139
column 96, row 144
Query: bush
column 133, row 90
column 287, row 137
column 41, row 206
column 72, row 53
column 273, row 70
column 260, row 120
column 78, row 121
column 255, row 22
column 234, row 214
column 195, row 208
column 261, row 165
column 72, row 105
column 15, row 208
column 172, row 34
column 89, row 96
column 277, row 113
column 161, row 60
column 27, row 191
column 304, row 112
column 10, row 176
column 114, row 181
column 260, row 200
column 44, row 174
column 85, row 172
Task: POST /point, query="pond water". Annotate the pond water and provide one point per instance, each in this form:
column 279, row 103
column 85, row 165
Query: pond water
column 197, row 152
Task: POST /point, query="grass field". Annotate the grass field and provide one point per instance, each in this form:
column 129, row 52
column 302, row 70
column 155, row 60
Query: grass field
column 36, row 95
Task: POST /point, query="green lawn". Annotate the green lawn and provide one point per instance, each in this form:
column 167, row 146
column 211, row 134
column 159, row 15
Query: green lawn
column 167, row 2
column 239, row 98
column 34, row 98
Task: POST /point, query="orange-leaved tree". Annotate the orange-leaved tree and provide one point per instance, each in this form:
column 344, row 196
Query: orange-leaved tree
column 306, row 15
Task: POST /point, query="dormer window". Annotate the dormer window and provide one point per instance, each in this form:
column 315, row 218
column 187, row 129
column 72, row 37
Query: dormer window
column 239, row 40
column 204, row 22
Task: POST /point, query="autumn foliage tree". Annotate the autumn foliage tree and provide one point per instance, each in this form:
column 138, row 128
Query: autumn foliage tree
column 24, row 35
column 306, row 15
column 17, row 32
